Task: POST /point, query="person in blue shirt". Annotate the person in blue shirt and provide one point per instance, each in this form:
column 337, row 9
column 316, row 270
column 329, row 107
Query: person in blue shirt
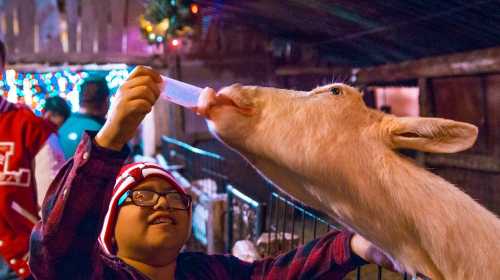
column 94, row 105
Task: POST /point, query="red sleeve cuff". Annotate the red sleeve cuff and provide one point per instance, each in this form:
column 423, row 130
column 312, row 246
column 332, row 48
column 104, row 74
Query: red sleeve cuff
column 342, row 247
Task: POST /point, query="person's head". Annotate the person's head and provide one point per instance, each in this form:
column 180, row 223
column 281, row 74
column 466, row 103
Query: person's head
column 3, row 56
column 149, row 217
column 94, row 97
column 56, row 110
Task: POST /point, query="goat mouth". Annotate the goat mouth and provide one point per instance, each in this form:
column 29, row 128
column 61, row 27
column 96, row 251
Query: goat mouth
column 224, row 100
column 209, row 101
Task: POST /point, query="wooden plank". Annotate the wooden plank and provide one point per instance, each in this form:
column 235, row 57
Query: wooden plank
column 135, row 42
column 48, row 22
column 424, row 111
column 492, row 88
column 468, row 63
column 466, row 161
column 102, row 14
column 72, row 19
column 117, row 25
column 88, row 26
column 26, row 18
column 423, row 97
column 10, row 41
column 462, row 99
column 84, row 58
column 322, row 71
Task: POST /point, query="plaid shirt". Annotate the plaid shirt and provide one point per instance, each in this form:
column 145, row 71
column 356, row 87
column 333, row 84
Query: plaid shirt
column 64, row 243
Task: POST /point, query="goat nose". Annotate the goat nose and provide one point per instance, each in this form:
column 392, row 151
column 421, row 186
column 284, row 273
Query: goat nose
column 205, row 101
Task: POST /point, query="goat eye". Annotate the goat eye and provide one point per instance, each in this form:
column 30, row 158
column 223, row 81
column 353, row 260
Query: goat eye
column 335, row 91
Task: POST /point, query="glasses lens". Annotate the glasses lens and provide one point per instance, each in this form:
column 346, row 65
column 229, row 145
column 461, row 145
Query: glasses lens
column 145, row 198
column 176, row 200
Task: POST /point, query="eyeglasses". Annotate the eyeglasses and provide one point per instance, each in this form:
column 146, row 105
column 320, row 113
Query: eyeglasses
column 147, row 198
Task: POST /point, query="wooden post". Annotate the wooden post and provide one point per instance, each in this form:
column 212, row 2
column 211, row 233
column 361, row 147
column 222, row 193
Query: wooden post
column 134, row 37
column 10, row 40
column 88, row 26
column 26, row 18
column 49, row 33
column 423, row 97
column 72, row 19
column 118, row 14
column 102, row 12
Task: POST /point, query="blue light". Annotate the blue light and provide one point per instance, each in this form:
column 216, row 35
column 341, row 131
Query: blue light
column 159, row 39
column 34, row 87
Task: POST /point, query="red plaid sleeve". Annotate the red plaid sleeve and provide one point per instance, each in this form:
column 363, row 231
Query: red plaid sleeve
column 73, row 210
column 329, row 257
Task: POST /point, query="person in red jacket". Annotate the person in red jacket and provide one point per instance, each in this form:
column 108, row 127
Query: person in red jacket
column 29, row 157
column 106, row 220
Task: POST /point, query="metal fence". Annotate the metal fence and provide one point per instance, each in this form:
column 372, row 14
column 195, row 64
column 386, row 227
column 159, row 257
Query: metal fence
column 196, row 164
column 245, row 217
column 289, row 217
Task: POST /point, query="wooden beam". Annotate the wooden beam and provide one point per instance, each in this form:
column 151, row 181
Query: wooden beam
column 465, row 161
column 468, row 63
column 85, row 58
column 320, row 71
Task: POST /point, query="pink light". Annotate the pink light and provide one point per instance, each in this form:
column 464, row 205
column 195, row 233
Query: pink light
column 175, row 42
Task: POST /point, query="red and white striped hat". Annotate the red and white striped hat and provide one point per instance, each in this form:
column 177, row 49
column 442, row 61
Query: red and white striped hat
column 130, row 176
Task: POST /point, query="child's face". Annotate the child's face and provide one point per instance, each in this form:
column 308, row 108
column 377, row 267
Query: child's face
column 151, row 234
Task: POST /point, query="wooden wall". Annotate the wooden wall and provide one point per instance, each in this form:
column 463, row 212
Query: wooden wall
column 463, row 87
column 474, row 99
column 86, row 31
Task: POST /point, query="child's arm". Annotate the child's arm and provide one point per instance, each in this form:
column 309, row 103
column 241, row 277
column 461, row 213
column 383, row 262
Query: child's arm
column 64, row 242
column 329, row 257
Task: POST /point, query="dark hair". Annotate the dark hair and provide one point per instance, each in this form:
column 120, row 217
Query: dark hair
column 93, row 91
column 58, row 105
column 3, row 53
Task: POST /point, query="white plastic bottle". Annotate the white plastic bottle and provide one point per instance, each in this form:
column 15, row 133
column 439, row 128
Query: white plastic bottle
column 180, row 93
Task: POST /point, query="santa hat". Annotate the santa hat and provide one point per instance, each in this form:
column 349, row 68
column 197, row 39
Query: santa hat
column 129, row 177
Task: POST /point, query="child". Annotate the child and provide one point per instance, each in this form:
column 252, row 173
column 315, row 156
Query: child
column 96, row 227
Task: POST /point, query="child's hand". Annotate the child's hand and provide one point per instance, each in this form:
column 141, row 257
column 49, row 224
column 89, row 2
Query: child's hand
column 133, row 101
column 367, row 251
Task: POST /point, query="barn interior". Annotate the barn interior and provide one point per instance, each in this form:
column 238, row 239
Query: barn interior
column 410, row 58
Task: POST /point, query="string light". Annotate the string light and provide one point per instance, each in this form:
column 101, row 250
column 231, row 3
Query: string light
column 194, row 8
column 151, row 37
column 33, row 88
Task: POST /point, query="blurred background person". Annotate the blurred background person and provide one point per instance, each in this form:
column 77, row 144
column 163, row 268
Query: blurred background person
column 56, row 110
column 94, row 104
column 30, row 158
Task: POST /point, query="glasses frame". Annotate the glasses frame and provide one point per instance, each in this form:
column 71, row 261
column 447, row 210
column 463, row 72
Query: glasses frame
column 126, row 198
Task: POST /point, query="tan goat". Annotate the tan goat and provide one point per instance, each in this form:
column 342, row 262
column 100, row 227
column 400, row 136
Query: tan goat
column 327, row 149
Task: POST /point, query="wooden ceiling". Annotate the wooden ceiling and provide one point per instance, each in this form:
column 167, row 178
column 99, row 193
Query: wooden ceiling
column 371, row 32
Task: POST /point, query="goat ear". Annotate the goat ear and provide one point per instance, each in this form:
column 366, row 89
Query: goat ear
column 434, row 135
